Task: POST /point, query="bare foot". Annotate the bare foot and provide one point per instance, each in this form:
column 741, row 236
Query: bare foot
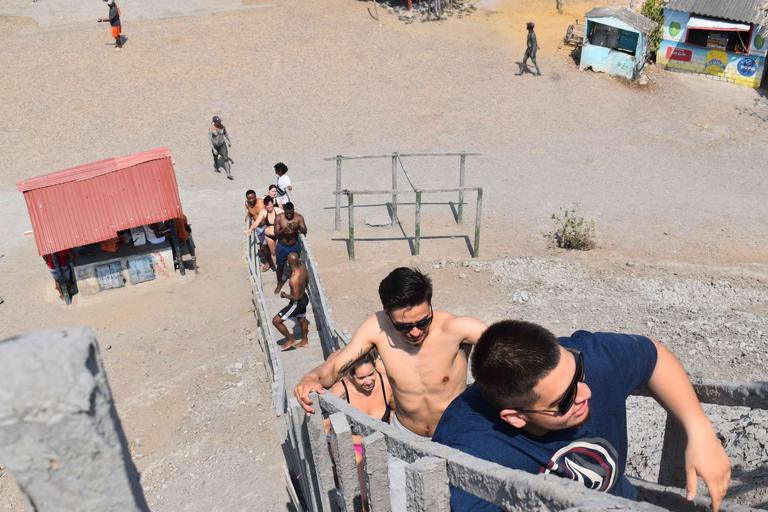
column 287, row 345
column 277, row 290
column 265, row 267
column 301, row 344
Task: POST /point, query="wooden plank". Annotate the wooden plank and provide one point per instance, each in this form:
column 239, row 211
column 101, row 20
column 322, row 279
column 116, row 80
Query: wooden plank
column 397, row 192
column 337, row 222
column 478, row 221
column 461, row 192
column 363, row 157
column 351, row 227
column 346, row 465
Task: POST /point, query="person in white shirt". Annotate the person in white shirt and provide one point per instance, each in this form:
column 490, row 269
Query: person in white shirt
column 283, row 182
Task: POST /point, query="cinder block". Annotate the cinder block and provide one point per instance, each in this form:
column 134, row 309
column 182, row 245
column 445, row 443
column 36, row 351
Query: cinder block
column 60, row 436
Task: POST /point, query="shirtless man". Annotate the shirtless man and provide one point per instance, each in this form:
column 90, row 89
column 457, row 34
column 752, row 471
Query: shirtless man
column 253, row 207
column 297, row 307
column 288, row 225
column 424, row 352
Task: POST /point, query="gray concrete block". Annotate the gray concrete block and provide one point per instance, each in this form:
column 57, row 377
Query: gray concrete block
column 376, row 472
column 426, row 481
column 60, row 435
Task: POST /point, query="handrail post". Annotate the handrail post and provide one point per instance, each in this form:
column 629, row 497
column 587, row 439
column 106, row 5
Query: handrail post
column 337, row 224
column 461, row 192
column 394, row 188
column 351, row 198
column 478, row 220
column 672, row 466
column 417, row 242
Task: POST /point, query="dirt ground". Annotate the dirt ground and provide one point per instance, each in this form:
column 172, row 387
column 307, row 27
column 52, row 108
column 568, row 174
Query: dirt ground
column 672, row 173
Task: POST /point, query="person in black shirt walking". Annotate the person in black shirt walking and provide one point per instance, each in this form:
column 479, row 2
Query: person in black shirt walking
column 530, row 51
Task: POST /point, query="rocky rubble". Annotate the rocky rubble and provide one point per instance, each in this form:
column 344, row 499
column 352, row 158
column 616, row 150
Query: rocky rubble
column 715, row 322
column 425, row 11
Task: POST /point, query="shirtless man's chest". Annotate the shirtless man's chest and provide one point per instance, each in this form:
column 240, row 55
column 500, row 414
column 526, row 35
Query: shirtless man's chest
column 425, row 378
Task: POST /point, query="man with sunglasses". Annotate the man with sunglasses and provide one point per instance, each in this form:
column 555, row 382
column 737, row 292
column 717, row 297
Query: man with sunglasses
column 545, row 405
column 424, row 352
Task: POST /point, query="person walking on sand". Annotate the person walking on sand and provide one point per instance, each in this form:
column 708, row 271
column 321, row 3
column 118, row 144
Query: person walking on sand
column 530, row 50
column 297, row 307
column 216, row 136
column 114, row 21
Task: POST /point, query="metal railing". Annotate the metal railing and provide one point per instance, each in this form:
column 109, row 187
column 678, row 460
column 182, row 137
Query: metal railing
column 430, row 467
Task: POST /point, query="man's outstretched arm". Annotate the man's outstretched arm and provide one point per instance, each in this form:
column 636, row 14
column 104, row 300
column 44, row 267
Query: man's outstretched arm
column 704, row 455
column 326, row 375
column 468, row 327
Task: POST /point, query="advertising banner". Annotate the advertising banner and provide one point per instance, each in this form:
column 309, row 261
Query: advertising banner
column 680, row 54
column 759, row 44
column 675, row 23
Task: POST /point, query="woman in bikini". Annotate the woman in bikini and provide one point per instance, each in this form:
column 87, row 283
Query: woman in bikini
column 273, row 195
column 366, row 389
column 266, row 219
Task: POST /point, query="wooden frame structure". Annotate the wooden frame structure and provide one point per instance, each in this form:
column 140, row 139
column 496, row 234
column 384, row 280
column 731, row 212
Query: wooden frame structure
column 394, row 192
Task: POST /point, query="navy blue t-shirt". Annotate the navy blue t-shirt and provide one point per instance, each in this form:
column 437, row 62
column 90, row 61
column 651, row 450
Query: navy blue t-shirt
column 594, row 453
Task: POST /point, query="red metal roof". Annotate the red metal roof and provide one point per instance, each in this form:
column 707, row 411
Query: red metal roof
column 92, row 202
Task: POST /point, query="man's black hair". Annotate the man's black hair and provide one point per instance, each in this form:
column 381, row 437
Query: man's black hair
column 404, row 288
column 267, row 200
column 281, row 167
column 288, row 206
column 251, row 191
column 272, row 186
column 510, row 358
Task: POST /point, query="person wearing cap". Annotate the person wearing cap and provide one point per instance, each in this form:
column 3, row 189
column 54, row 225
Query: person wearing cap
column 530, row 51
column 114, row 21
column 216, row 136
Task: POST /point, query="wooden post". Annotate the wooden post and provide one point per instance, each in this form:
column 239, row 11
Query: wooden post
column 394, row 188
column 672, row 466
column 176, row 248
column 351, row 226
column 60, row 278
column 478, row 220
column 346, row 464
column 461, row 192
column 304, row 452
column 337, row 224
column 410, row 5
column 417, row 243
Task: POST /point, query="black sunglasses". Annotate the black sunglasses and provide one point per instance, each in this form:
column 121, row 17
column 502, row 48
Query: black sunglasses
column 569, row 398
column 420, row 325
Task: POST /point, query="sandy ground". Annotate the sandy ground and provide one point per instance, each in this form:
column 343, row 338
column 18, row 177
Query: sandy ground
column 671, row 173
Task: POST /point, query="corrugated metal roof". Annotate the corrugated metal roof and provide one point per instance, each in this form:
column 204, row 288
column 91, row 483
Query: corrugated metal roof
column 632, row 18
column 92, row 202
column 747, row 11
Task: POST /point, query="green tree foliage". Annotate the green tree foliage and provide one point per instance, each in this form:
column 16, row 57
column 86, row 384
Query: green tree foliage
column 652, row 9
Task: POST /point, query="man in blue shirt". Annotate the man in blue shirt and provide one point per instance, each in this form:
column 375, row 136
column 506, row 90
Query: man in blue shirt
column 545, row 405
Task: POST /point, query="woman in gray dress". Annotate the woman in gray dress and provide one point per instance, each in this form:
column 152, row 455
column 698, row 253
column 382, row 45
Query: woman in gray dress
column 216, row 136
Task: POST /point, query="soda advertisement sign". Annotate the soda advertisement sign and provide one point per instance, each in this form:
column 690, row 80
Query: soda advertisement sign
column 715, row 62
column 674, row 24
column 680, row 54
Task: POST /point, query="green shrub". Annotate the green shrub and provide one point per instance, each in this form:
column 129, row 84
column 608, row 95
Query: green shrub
column 573, row 232
column 653, row 10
